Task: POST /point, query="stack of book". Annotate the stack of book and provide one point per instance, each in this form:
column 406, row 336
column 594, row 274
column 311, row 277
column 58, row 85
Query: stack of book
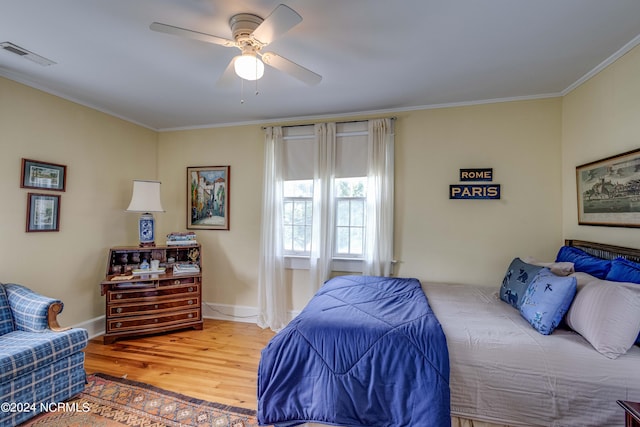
column 182, row 239
column 186, row 268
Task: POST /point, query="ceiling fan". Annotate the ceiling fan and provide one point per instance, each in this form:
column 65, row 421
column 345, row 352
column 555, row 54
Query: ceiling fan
column 251, row 34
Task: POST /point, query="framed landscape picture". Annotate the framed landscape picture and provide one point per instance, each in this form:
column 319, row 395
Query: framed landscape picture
column 609, row 191
column 43, row 212
column 208, row 197
column 46, row 176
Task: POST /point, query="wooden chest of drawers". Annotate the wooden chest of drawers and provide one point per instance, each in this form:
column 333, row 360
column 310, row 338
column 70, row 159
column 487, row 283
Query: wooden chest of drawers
column 150, row 303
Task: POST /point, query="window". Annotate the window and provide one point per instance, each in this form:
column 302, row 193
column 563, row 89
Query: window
column 350, row 185
column 350, row 216
column 327, row 206
column 297, row 216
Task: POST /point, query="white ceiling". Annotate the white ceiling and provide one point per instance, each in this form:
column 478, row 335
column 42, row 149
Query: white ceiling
column 373, row 55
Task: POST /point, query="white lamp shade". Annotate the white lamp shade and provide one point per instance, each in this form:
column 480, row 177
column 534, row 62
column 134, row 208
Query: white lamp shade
column 248, row 67
column 145, row 197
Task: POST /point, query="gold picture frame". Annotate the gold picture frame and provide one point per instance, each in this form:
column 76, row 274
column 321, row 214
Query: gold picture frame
column 208, row 197
column 609, row 191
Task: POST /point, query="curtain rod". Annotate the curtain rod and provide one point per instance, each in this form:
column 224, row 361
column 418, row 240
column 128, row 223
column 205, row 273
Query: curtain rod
column 347, row 121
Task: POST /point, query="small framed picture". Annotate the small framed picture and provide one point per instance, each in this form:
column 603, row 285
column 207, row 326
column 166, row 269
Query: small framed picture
column 43, row 212
column 46, row 176
column 208, row 197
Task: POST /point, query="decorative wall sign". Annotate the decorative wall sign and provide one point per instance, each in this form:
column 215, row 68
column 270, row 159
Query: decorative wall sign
column 485, row 174
column 609, row 191
column 475, row 191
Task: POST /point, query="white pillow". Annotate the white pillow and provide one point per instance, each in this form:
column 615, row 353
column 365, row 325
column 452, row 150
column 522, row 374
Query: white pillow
column 583, row 278
column 607, row 314
column 557, row 268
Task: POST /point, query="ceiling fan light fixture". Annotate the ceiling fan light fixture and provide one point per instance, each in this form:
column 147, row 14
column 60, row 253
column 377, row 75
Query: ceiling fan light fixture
column 248, row 66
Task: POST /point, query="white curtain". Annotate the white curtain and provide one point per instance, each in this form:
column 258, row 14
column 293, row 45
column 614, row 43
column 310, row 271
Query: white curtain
column 378, row 256
column 323, row 203
column 272, row 292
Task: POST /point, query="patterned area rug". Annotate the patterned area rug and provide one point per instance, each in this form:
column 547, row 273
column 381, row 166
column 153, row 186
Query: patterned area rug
column 111, row 402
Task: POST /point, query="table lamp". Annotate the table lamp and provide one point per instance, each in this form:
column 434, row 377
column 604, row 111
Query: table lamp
column 146, row 199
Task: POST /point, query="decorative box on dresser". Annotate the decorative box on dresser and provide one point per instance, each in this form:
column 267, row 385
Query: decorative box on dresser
column 144, row 299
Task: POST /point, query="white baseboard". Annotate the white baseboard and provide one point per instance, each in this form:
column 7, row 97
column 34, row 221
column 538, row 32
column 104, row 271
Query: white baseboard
column 237, row 313
column 95, row 327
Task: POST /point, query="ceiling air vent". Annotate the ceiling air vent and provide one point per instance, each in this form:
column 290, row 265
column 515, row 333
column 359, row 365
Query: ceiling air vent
column 10, row 47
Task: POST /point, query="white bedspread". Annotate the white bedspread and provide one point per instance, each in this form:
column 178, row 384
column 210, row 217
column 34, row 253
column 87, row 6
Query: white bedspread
column 503, row 371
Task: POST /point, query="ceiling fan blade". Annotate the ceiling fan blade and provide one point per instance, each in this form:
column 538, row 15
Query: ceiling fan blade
column 182, row 32
column 291, row 68
column 227, row 78
column 281, row 20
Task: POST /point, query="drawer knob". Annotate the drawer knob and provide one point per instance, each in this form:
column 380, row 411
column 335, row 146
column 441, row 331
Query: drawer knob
column 190, row 288
column 155, row 320
column 190, row 302
column 118, row 296
column 176, row 282
column 190, row 315
column 119, row 310
column 155, row 306
column 118, row 324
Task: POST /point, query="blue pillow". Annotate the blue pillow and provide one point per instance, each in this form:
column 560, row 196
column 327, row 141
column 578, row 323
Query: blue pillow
column 584, row 262
column 515, row 282
column 623, row 270
column 547, row 300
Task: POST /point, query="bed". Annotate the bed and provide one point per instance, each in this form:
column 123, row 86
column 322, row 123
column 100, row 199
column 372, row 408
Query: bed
column 364, row 351
column 501, row 371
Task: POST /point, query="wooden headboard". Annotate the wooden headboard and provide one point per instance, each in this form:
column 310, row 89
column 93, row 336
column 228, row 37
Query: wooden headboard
column 605, row 251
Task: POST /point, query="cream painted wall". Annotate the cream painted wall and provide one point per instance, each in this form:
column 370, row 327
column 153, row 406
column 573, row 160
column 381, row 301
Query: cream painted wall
column 103, row 155
column 533, row 147
column 473, row 241
column 230, row 258
column 435, row 236
column 601, row 118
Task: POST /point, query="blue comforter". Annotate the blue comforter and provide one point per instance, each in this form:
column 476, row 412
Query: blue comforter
column 365, row 351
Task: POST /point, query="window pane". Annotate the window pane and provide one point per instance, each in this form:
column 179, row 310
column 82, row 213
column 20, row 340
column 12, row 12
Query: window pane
column 299, row 238
column 342, row 213
column 288, row 238
column 309, row 213
column 355, row 246
column 357, row 212
column 301, row 188
column 342, row 240
column 299, row 212
column 297, row 216
column 287, row 213
column 351, row 187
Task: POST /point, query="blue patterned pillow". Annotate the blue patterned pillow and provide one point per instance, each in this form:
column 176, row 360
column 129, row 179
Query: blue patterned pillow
column 547, row 300
column 623, row 270
column 515, row 282
column 584, row 262
column 6, row 318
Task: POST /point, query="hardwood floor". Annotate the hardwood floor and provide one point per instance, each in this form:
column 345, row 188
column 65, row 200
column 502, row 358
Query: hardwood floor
column 217, row 364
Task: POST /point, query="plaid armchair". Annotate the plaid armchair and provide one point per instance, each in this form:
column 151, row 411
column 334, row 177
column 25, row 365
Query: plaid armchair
column 40, row 363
